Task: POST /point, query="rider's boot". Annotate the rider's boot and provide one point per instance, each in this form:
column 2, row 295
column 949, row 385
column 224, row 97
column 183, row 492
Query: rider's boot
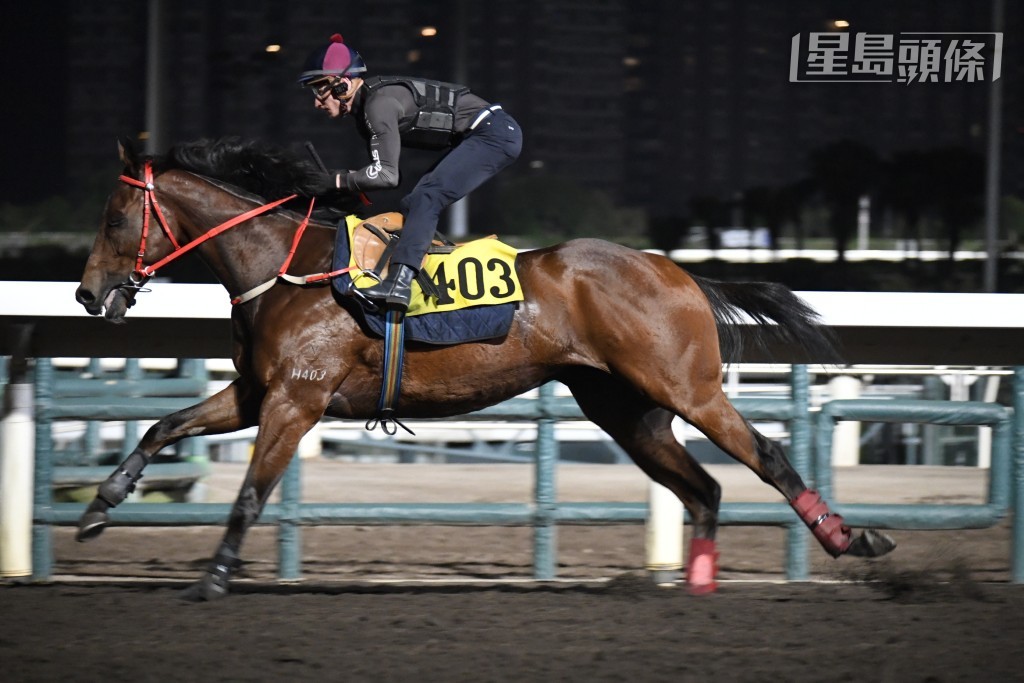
column 396, row 289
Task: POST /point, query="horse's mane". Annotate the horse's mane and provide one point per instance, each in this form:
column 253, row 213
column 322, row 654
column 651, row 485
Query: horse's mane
column 254, row 166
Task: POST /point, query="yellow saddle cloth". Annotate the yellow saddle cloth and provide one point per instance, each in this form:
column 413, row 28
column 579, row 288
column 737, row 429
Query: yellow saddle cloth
column 477, row 273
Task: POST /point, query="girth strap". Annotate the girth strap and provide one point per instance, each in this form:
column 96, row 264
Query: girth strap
column 394, row 352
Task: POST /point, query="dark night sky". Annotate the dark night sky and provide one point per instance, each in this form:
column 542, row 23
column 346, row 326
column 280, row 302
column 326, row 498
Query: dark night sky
column 32, row 54
column 33, row 43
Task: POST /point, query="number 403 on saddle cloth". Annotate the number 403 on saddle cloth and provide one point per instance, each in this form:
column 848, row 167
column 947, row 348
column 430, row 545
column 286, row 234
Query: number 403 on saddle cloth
column 478, row 273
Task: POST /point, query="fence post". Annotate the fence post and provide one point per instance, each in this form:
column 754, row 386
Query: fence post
column 132, row 372
column 1017, row 477
column 92, row 442
column 16, row 462
column 846, row 436
column 193, row 448
column 289, row 535
column 42, row 531
column 544, row 530
column 800, row 455
column 664, row 538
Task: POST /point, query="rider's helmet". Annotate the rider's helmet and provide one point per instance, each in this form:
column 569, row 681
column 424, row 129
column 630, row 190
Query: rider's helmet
column 333, row 60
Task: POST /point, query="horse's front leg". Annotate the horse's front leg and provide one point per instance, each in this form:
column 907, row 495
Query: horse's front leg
column 233, row 408
column 283, row 422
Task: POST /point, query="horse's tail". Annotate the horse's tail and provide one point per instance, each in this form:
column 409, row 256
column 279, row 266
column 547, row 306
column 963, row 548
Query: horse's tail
column 795, row 323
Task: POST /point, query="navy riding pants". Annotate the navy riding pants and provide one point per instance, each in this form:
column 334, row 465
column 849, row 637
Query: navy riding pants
column 482, row 153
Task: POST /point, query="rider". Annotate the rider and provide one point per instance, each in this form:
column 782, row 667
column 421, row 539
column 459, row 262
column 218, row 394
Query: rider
column 477, row 140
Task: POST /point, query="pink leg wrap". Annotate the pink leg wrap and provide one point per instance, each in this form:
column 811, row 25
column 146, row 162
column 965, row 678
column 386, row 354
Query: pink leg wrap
column 702, row 567
column 827, row 526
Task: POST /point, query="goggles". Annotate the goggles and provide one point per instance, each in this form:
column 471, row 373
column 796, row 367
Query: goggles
column 331, row 86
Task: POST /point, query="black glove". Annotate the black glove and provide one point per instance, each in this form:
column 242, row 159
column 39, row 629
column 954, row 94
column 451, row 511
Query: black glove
column 325, row 183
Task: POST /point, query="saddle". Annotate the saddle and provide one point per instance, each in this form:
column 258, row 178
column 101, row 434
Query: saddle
column 374, row 240
column 468, row 293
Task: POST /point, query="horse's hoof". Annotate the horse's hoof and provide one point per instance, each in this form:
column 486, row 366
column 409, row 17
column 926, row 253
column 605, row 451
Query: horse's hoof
column 206, row 589
column 871, row 543
column 91, row 524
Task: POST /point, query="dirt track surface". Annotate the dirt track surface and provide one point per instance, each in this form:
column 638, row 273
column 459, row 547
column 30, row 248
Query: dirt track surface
column 626, row 630
column 463, row 608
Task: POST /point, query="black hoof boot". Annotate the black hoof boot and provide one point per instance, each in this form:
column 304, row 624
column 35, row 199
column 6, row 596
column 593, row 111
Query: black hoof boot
column 93, row 521
column 122, row 482
column 207, row 589
column 396, row 289
column 216, row 582
column 111, row 493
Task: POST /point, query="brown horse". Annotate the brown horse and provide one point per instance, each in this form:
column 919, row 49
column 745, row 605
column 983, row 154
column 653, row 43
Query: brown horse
column 634, row 337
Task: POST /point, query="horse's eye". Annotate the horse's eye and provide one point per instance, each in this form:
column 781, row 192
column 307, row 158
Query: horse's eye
column 116, row 221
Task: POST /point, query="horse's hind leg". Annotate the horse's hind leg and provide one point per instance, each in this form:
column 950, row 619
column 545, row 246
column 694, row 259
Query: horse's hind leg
column 228, row 410
column 712, row 413
column 644, row 430
column 283, row 421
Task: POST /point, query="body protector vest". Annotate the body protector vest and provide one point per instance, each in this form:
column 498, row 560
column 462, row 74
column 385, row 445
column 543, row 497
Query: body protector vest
column 432, row 126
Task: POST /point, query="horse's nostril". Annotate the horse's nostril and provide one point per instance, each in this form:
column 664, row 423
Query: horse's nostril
column 84, row 296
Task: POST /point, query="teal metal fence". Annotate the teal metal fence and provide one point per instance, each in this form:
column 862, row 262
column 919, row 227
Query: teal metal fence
column 545, row 512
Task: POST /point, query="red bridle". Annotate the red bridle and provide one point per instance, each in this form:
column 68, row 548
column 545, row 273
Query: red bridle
column 150, row 205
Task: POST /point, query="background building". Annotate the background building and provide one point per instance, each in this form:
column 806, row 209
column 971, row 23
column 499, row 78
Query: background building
column 651, row 103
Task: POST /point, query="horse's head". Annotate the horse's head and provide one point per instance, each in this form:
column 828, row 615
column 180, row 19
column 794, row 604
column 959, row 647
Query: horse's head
column 144, row 220
column 114, row 272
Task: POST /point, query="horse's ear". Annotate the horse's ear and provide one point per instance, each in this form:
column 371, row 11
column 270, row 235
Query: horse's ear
column 126, row 152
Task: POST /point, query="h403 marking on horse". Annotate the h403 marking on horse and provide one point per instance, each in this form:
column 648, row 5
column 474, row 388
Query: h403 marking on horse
column 312, row 374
